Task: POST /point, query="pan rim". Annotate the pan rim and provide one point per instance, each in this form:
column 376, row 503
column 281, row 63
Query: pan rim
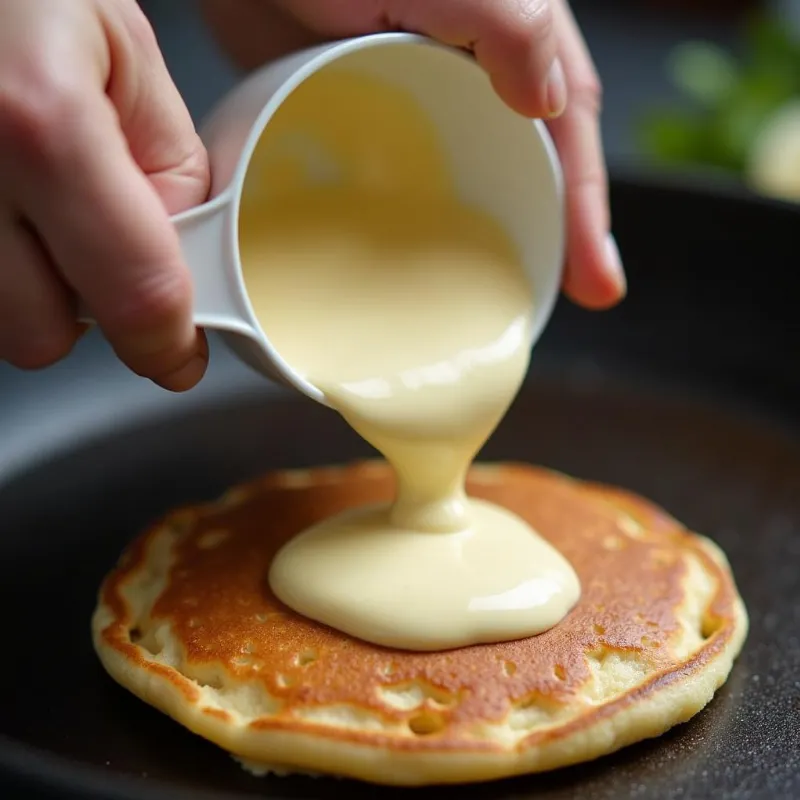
column 39, row 768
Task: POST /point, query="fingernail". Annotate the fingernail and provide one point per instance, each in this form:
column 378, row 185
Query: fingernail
column 614, row 264
column 187, row 376
column 556, row 89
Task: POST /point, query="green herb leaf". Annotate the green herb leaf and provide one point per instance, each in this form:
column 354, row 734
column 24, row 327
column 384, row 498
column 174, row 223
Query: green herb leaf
column 675, row 137
column 771, row 47
column 703, row 71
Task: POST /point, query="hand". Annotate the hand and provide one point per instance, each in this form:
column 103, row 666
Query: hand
column 96, row 150
column 538, row 63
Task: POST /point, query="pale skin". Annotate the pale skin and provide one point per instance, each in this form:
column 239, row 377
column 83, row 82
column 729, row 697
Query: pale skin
column 97, row 149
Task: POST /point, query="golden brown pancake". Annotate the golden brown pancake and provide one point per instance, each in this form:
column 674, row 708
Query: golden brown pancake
column 187, row 622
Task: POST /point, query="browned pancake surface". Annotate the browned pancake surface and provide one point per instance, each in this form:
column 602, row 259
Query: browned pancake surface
column 632, row 559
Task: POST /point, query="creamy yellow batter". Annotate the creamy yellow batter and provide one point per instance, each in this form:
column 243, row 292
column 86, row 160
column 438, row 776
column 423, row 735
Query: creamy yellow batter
column 411, row 312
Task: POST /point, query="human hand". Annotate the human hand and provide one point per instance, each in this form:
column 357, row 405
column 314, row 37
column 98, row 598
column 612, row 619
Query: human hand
column 537, row 60
column 96, row 150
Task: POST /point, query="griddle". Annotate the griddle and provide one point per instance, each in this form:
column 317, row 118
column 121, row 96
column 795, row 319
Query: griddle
column 688, row 393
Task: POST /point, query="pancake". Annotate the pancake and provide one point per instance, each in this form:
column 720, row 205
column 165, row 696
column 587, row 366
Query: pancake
column 187, row 622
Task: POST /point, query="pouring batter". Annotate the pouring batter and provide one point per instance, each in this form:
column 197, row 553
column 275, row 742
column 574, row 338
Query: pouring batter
column 411, row 312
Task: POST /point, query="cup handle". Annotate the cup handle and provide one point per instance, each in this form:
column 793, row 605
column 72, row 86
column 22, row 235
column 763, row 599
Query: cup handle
column 207, row 244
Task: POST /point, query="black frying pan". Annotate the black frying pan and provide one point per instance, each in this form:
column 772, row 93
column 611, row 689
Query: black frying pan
column 688, row 393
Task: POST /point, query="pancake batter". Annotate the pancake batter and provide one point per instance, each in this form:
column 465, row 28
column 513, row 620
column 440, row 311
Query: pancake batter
column 411, row 312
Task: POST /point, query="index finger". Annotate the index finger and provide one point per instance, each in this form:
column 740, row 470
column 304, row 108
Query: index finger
column 513, row 40
column 110, row 236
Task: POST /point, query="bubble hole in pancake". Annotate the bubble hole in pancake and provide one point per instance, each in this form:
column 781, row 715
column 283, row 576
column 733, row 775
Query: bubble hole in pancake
column 186, row 621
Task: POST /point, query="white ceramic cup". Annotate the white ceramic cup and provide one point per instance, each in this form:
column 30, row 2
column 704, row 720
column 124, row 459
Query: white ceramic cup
column 501, row 163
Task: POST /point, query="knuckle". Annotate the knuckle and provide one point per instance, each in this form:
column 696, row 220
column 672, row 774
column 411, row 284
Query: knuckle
column 140, row 29
column 523, row 32
column 531, row 22
column 196, row 165
column 155, row 303
column 586, row 90
column 194, row 168
column 38, row 108
column 592, row 179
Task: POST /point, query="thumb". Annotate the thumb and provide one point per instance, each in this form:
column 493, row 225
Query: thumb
column 154, row 119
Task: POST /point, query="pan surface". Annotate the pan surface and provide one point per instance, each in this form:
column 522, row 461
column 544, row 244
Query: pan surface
column 688, row 394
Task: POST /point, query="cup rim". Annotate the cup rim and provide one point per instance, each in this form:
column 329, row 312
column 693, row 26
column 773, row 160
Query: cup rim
column 311, row 61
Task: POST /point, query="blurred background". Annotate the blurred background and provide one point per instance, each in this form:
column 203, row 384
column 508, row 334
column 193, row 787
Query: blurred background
column 704, row 88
